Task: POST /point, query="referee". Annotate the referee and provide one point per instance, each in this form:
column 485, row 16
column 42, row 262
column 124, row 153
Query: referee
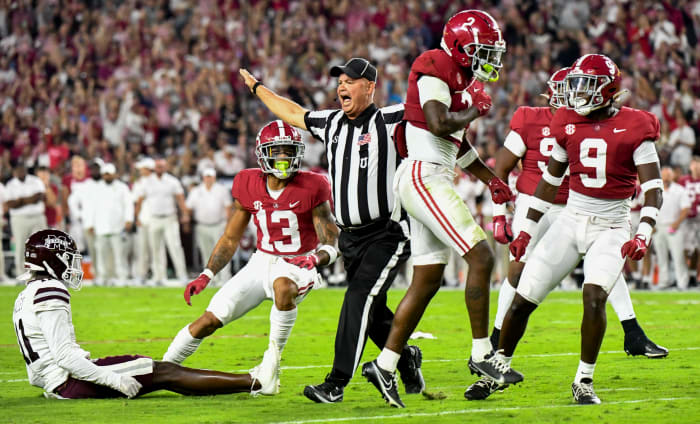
column 362, row 160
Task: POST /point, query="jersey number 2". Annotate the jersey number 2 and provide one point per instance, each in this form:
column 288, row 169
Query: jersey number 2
column 291, row 230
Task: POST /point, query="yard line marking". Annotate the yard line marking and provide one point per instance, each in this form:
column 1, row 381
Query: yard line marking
column 474, row 411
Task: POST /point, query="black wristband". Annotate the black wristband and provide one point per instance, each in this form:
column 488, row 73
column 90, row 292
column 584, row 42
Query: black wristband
column 255, row 87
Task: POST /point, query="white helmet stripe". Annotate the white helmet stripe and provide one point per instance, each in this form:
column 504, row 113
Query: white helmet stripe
column 281, row 128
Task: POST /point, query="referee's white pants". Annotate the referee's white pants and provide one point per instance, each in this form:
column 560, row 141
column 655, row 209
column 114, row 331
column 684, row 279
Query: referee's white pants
column 166, row 228
column 440, row 220
column 665, row 243
column 23, row 226
column 207, row 236
column 111, row 257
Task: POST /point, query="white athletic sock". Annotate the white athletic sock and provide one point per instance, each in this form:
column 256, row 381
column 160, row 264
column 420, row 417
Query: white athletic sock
column 182, row 346
column 481, row 348
column 585, row 370
column 281, row 324
column 619, row 298
column 388, row 359
column 505, row 297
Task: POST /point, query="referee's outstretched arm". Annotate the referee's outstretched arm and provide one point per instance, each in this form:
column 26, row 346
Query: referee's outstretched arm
column 285, row 109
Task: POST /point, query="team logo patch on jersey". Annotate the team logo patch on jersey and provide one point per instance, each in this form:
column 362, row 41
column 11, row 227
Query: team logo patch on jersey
column 364, row 139
column 546, row 132
column 257, row 205
column 570, row 129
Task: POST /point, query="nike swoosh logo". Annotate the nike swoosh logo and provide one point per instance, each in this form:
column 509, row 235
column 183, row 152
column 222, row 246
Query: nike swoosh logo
column 291, row 205
column 615, row 130
column 333, row 398
column 385, row 383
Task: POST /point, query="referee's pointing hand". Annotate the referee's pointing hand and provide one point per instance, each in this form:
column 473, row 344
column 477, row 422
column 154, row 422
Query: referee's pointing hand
column 248, row 79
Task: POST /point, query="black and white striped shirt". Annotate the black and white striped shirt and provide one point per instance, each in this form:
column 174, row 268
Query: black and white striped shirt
column 362, row 160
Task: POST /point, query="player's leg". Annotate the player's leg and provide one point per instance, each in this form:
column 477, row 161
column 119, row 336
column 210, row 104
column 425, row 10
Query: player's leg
column 283, row 313
column 174, row 245
column 239, row 295
column 119, row 256
column 191, row 381
column 680, row 268
column 662, row 248
column 155, row 241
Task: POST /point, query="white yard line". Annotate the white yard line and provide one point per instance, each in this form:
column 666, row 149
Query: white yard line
column 475, row 411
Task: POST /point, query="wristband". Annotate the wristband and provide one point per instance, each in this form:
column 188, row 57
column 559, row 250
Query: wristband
column 332, row 253
column 649, row 212
column 652, row 184
column 499, row 209
column 645, row 230
column 208, row 273
column 529, row 226
column 539, row 205
column 255, row 87
column 551, row 179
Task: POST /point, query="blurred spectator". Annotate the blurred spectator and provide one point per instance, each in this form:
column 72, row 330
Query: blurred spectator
column 53, row 208
column 142, row 251
column 667, row 238
column 682, row 142
column 24, row 196
column 3, row 208
column 227, row 161
column 79, row 201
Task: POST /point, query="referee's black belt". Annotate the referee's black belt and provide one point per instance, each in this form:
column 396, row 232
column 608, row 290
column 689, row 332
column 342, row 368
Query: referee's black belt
column 376, row 225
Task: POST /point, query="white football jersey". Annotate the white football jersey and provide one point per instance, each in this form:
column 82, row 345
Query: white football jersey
column 39, row 296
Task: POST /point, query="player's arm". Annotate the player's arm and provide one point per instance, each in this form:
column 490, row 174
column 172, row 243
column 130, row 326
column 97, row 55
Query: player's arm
column 647, row 162
column 468, row 159
column 56, row 328
column 282, row 107
column 542, row 199
column 223, row 251
column 327, row 233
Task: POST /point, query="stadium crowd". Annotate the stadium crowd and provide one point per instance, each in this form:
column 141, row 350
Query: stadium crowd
column 124, row 81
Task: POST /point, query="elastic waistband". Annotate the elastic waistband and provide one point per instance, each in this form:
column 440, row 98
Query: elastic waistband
column 372, row 226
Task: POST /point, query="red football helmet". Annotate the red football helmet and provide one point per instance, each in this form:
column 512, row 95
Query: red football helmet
column 557, row 88
column 592, row 83
column 278, row 138
column 54, row 253
column 473, row 39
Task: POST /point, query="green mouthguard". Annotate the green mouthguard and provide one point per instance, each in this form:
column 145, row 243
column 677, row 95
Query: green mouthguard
column 490, row 69
column 282, row 166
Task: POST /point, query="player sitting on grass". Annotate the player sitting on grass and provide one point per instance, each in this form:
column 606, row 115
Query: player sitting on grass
column 56, row 363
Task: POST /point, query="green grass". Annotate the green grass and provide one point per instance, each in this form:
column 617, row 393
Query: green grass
column 112, row 321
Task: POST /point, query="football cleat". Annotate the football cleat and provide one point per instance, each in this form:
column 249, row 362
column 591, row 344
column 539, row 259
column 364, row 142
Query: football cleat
column 326, row 392
column 583, row 392
column 482, row 389
column 267, row 372
column 639, row 344
column 384, row 381
column 409, row 368
column 495, row 367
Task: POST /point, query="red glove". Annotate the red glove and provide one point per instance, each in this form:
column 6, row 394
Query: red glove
column 519, row 245
column 636, row 248
column 500, row 192
column 482, row 101
column 196, row 286
column 502, row 232
column 306, row 262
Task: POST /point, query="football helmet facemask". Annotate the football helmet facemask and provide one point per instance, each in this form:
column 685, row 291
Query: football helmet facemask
column 279, row 149
column 473, row 39
column 54, row 253
column 557, row 88
column 592, row 83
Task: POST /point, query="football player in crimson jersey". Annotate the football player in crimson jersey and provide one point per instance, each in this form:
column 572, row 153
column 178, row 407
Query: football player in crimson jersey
column 292, row 213
column 445, row 94
column 42, row 319
column 531, row 141
column 605, row 148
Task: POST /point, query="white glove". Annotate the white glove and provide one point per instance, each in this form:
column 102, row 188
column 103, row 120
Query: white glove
column 129, row 386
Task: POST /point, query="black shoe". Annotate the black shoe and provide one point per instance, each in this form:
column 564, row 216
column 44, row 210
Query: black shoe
column 639, row 344
column 495, row 335
column 496, row 369
column 384, row 381
column 326, row 392
column 409, row 368
column 482, row 389
column 583, row 392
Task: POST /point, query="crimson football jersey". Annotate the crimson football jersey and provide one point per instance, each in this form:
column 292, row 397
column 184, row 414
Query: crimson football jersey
column 285, row 225
column 692, row 186
column 532, row 124
column 601, row 162
column 438, row 64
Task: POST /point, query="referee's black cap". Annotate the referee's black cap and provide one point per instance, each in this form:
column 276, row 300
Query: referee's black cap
column 356, row 67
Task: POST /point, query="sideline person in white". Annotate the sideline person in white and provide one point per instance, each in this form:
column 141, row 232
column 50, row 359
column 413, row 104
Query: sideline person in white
column 24, row 196
column 142, row 250
column 110, row 212
column 160, row 191
column 667, row 239
column 79, row 201
column 3, row 276
column 210, row 203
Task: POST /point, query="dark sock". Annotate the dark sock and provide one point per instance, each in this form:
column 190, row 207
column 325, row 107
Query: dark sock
column 631, row 326
column 338, row 378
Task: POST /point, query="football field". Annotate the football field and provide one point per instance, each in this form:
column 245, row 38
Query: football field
column 112, row 321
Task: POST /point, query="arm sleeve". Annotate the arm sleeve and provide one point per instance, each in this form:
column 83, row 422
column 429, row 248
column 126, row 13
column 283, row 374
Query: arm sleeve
column 433, row 88
column 56, row 329
column 645, row 153
column 514, row 142
column 316, row 122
